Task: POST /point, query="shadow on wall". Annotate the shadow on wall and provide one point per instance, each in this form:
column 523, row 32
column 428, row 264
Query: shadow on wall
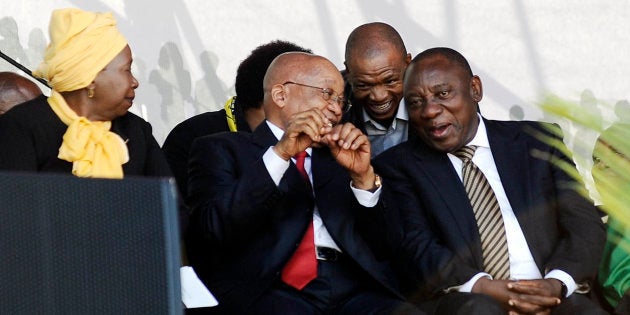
column 173, row 83
column 168, row 94
column 169, row 103
column 29, row 56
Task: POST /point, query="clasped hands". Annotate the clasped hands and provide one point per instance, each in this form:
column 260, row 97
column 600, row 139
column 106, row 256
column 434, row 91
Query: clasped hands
column 523, row 296
column 348, row 145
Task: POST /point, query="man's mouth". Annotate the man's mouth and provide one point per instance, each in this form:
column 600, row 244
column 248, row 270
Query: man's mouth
column 439, row 130
column 381, row 108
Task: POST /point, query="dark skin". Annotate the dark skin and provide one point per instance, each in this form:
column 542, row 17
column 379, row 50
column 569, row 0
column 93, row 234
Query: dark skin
column 15, row 89
column 442, row 100
column 114, row 91
column 309, row 120
column 376, row 81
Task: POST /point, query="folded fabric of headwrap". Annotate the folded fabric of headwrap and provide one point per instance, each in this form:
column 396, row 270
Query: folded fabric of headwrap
column 93, row 150
column 81, row 44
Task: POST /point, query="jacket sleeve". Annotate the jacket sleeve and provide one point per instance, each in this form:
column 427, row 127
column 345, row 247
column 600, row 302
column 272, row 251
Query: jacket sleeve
column 230, row 191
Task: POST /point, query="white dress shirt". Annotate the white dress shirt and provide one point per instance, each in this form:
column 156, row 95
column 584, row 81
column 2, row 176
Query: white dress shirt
column 522, row 264
column 276, row 167
column 381, row 137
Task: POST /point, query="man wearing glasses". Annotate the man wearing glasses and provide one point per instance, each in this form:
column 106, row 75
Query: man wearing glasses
column 290, row 214
column 376, row 59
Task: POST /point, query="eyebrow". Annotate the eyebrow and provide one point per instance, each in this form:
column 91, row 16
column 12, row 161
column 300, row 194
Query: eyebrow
column 440, row 86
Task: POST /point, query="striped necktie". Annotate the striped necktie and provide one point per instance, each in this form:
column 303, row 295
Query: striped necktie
column 488, row 215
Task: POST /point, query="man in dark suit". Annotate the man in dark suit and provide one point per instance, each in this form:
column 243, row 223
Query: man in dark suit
column 376, row 59
column 549, row 236
column 242, row 113
column 258, row 210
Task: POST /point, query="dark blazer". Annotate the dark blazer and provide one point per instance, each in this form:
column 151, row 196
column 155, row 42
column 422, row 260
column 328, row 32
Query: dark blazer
column 31, row 134
column 562, row 229
column 177, row 144
column 250, row 227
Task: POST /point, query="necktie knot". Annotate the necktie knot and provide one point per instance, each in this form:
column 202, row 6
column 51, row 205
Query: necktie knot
column 466, row 153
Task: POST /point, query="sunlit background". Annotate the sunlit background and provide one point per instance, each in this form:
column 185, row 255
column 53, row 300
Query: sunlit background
column 186, row 51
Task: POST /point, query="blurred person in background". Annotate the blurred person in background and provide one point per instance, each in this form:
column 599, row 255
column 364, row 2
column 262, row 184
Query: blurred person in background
column 16, row 89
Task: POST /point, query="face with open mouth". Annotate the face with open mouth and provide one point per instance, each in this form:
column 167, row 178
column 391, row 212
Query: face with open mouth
column 441, row 99
column 377, row 82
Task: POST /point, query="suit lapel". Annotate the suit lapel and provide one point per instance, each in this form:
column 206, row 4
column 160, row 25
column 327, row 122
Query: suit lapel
column 322, row 164
column 264, row 138
column 511, row 154
column 440, row 173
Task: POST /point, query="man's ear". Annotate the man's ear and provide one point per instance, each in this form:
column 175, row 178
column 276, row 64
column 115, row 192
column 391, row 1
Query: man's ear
column 476, row 88
column 278, row 95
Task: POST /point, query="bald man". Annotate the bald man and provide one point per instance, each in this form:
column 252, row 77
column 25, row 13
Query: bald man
column 376, row 59
column 16, row 89
column 305, row 235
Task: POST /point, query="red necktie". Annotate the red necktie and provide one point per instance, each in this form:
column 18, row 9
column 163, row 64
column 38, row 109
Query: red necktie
column 302, row 266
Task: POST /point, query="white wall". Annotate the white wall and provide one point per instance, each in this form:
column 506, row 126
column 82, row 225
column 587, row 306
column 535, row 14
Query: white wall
column 519, row 48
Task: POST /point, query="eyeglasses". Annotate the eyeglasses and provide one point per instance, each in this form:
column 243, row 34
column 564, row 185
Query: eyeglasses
column 327, row 95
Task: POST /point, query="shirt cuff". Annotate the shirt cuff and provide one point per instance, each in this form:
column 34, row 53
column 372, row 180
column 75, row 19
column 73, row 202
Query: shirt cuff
column 275, row 165
column 564, row 278
column 365, row 197
column 467, row 287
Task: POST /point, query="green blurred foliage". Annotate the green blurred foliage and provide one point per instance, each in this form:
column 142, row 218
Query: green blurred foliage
column 611, row 153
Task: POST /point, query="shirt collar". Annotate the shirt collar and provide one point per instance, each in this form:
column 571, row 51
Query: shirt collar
column 401, row 113
column 481, row 137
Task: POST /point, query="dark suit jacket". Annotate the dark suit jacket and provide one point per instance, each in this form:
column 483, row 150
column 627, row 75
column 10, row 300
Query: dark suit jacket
column 31, row 134
column 562, row 229
column 177, row 144
column 250, row 227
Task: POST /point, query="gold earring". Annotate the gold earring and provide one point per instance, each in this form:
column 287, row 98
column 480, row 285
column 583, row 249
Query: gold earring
column 90, row 93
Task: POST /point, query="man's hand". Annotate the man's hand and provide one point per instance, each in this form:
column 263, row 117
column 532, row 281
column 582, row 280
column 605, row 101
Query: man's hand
column 497, row 289
column 351, row 149
column 302, row 130
column 521, row 297
column 535, row 296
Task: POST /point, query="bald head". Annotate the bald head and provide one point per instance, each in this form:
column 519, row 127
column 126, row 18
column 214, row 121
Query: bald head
column 16, row 89
column 371, row 39
column 376, row 59
column 309, row 74
column 293, row 66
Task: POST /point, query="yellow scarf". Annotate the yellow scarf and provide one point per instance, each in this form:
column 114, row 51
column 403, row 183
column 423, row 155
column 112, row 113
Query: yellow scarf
column 229, row 114
column 93, row 150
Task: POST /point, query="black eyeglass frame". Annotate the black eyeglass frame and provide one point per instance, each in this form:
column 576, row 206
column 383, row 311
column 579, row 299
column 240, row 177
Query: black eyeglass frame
column 327, row 95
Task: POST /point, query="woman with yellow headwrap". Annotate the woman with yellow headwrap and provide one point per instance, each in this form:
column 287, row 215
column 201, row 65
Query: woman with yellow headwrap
column 84, row 127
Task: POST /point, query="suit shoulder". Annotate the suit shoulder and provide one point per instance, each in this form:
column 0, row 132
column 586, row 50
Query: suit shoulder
column 203, row 124
column 225, row 138
column 398, row 152
column 527, row 127
column 30, row 112
column 197, row 126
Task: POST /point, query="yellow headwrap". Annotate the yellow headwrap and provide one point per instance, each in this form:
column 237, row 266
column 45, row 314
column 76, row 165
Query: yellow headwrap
column 81, row 45
column 93, row 150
